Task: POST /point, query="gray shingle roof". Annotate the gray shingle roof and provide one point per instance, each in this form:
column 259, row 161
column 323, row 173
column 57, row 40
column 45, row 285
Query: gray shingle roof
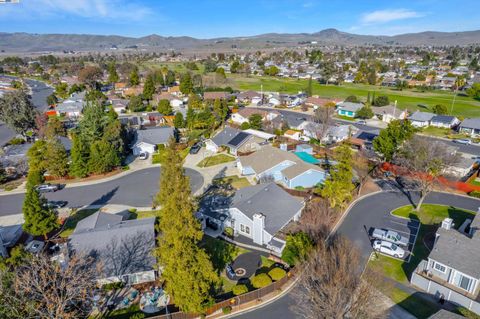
column 155, row 135
column 271, row 200
column 447, row 119
column 122, row 247
column 458, row 251
column 231, row 137
column 421, row 116
column 471, row 123
column 350, row 106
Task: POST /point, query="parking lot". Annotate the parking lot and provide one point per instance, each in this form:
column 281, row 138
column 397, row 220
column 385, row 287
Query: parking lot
column 404, row 227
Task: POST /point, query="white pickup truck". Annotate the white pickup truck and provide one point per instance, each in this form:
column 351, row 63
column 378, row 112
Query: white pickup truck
column 390, row 235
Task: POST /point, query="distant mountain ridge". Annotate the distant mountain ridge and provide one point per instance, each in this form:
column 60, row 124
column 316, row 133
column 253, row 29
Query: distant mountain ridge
column 27, row 42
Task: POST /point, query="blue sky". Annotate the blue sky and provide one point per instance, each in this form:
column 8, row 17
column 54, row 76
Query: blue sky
column 216, row 18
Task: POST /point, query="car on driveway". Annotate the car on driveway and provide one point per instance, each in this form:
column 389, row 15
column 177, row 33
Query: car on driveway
column 56, row 204
column 143, row 156
column 464, row 141
column 390, row 235
column 195, row 148
column 388, row 248
column 48, row 188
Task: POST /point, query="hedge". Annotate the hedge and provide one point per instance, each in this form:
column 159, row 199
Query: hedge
column 261, row 280
column 475, row 194
column 277, row 273
column 239, row 290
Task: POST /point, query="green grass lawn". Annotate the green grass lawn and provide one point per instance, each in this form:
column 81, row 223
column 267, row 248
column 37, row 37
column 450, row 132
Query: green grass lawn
column 475, row 182
column 437, row 131
column 345, row 118
column 143, row 214
column 178, row 67
column 407, row 99
column 72, row 221
column 430, row 218
column 215, row 160
column 159, row 157
column 235, row 181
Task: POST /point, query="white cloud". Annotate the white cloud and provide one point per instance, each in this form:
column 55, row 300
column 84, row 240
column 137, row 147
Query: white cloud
column 384, row 16
column 105, row 9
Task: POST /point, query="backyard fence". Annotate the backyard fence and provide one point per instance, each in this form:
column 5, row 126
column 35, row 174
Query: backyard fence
column 235, row 301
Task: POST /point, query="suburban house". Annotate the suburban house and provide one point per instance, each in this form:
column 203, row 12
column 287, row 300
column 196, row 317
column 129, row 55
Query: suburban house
column 146, row 141
column 470, row 127
column 235, row 140
column 281, row 166
column 243, row 115
column 257, row 212
column 123, row 248
column 452, row 269
column 348, row 109
column 333, row 134
column 212, row 96
column 388, row 113
column 174, row 100
column 250, row 97
column 445, row 121
column 293, row 135
column 119, row 105
column 316, row 102
column 71, row 107
column 153, row 118
column 421, row 119
column 9, row 235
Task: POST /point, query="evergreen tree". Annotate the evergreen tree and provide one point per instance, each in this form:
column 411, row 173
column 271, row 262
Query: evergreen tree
column 34, row 178
column 39, row 219
column 309, row 87
column 103, row 157
column 391, row 138
column 178, row 122
column 79, row 155
column 57, row 163
column 112, row 73
column 190, row 118
column 148, row 88
column 164, row 107
column 186, row 84
column 187, row 270
column 93, row 122
column 134, row 78
column 36, row 156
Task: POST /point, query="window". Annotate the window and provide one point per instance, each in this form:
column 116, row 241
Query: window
column 439, row 267
column 244, row 229
column 465, row 282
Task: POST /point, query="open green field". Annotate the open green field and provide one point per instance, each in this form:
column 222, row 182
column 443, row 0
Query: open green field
column 174, row 66
column 407, row 99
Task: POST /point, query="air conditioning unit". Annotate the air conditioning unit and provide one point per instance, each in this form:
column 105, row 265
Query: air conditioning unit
column 447, row 223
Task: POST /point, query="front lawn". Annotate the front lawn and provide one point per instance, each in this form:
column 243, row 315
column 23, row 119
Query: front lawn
column 437, row 131
column 72, row 221
column 215, row 160
column 143, row 214
column 159, row 157
column 234, row 181
column 434, row 214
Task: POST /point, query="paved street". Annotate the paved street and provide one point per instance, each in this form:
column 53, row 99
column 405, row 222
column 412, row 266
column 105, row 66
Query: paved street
column 39, row 94
column 135, row 189
column 372, row 211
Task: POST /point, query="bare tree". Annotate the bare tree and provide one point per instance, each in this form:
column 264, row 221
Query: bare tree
column 323, row 115
column 425, row 160
column 47, row 289
column 318, row 219
column 331, row 286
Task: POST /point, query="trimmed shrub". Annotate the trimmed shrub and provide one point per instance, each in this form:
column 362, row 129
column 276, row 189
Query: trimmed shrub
column 277, row 273
column 226, row 310
column 239, row 290
column 474, row 194
column 228, row 231
column 245, row 126
column 261, row 280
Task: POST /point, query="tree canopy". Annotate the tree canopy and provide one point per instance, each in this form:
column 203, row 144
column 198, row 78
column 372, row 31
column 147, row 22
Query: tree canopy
column 17, row 112
column 391, row 138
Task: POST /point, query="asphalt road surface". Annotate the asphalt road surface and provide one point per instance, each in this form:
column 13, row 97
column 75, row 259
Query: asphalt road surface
column 135, row 189
column 372, row 211
column 39, row 94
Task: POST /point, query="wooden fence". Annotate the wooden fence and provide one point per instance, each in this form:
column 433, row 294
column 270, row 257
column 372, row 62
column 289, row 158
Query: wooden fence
column 235, row 301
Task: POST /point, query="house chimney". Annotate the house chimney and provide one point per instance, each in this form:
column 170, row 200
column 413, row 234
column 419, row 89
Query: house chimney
column 258, row 227
column 447, row 223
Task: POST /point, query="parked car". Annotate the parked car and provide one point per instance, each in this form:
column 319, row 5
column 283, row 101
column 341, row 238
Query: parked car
column 230, row 271
column 390, row 235
column 35, row 246
column 56, row 204
column 195, row 148
column 464, row 141
column 48, row 188
column 388, row 248
column 362, row 122
column 143, row 156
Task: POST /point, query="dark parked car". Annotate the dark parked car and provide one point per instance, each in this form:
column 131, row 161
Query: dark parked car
column 195, row 148
column 56, row 204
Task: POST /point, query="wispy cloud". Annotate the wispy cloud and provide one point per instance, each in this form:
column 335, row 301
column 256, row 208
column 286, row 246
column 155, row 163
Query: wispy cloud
column 384, row 16
column 105, row 9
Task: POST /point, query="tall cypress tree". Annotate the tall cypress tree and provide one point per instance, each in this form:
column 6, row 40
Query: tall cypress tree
column 79, row 154
column 187, row 269
column 39, row 219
